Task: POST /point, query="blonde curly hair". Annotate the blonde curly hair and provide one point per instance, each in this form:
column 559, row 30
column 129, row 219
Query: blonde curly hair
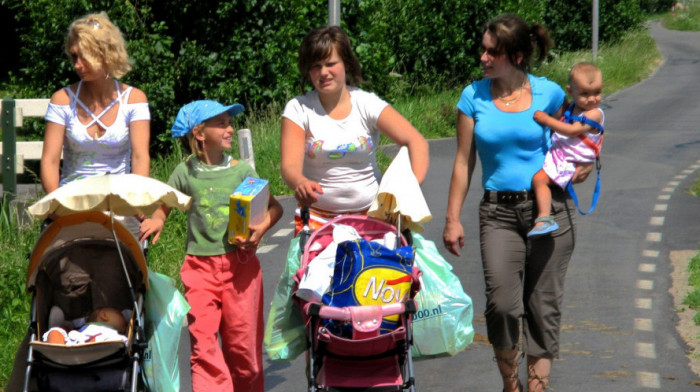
column 101, row 43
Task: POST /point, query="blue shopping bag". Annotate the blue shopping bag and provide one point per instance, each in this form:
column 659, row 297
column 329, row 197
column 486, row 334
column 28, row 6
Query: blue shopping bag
column 368, row 273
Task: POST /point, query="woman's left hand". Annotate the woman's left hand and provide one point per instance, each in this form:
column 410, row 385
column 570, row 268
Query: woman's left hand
column 582, row 172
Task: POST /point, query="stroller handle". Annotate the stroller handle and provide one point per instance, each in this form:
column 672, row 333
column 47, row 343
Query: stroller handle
column 349, row 313
column 305, row 232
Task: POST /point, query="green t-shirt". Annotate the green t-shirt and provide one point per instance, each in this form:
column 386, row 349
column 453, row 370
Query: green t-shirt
column 210, row 187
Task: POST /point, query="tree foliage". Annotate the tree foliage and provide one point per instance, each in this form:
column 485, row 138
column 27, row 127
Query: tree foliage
column 246, row 50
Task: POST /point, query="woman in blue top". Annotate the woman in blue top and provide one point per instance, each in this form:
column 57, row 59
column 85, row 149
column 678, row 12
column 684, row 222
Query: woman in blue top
column 524, row 276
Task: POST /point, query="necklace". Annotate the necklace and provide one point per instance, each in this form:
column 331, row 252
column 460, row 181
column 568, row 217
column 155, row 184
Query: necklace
column 510, row 101
column 507, row 102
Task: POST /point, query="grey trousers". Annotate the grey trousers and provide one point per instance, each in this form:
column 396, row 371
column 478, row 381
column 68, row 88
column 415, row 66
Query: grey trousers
column 525, row 277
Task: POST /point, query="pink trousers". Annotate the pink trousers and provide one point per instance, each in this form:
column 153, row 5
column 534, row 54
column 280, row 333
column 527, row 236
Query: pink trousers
column 225, row 293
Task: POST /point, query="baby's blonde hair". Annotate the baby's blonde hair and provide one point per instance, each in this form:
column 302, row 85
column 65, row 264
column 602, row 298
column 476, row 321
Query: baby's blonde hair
column 584, row 69
column 101, row 43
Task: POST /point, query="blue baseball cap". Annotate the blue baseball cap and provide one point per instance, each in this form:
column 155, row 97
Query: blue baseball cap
column 197, row 112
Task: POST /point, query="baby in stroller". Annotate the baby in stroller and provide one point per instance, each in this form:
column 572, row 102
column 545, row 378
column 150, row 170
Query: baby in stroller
column 104, row 324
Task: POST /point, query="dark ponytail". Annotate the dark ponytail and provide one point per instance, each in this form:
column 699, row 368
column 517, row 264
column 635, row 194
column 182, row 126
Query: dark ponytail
column 541, row 41
column 514, row 36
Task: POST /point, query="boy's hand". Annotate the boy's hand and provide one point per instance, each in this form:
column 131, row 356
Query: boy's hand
column 151, row 226
column 256, row 234
column 274, row 213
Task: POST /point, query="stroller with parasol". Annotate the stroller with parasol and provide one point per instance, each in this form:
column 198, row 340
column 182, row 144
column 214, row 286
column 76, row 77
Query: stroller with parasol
column 85, row 260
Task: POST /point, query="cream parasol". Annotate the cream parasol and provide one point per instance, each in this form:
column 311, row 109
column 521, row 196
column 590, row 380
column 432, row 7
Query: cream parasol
column 120, row 194
column 400, row 195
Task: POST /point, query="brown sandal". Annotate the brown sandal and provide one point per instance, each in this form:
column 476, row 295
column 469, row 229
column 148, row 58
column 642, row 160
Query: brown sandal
column 541, row 383
column 508, row 367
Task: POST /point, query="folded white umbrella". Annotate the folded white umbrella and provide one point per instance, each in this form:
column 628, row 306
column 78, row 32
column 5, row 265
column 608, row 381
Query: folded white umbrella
column 400, row 196
column 121, row 194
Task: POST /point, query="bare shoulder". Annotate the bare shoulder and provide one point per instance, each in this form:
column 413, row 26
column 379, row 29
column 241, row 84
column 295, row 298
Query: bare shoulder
column 60, row 97
column 594, row 114
column 137, row 96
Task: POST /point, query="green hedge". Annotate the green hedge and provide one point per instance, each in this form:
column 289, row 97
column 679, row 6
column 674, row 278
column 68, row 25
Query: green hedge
column 245, row 51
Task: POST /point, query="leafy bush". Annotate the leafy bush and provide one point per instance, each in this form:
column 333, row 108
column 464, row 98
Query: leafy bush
column 655, row 6
column 571, row 22
column 438, row 49
column 42, row 26
column 245, row 50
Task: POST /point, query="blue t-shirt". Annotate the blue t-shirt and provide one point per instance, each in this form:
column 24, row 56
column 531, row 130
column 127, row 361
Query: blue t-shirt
column 511, row 146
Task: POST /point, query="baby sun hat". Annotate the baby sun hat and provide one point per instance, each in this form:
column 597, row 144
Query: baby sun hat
column 197, row 112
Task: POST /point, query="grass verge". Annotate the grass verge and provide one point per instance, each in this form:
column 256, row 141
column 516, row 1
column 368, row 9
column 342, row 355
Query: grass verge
column 15, row 246
column 692, row 299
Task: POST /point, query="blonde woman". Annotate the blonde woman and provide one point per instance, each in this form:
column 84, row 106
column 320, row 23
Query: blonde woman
column 100, row 124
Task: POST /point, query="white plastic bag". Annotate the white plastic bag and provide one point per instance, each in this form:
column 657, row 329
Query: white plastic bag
column 442, row 324
column 284, row 331
column 165, row 312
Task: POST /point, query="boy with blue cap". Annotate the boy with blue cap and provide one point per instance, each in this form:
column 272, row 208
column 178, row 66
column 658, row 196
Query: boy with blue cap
column 223, row 281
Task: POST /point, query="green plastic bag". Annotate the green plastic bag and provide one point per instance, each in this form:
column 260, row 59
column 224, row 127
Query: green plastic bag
column 284, row 331
column 442, row 324
column 165, row 311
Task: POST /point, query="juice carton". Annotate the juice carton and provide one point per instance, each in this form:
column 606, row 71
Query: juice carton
column 247, row 205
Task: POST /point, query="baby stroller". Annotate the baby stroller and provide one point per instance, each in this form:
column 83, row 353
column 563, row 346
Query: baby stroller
column 85, row 260
column 349, row 347
column 78, row 264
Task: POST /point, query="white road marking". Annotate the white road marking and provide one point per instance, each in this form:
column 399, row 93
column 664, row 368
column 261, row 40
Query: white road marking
column 283, row 232
column 648, row 380
column 645, row 284
column 266, row 248
column 653, row 237
column 645, row 350
column 643, row 303
column 656, row 221
column 643, row 324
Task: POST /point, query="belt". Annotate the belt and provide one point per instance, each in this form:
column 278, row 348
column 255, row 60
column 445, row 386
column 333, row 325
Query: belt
column 508, row 197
